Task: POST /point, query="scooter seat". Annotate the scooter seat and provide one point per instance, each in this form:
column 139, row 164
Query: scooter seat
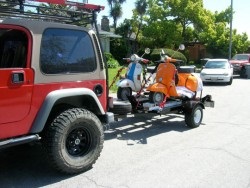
column 184, row 92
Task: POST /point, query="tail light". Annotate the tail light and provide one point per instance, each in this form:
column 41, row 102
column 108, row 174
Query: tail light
column 139, row 77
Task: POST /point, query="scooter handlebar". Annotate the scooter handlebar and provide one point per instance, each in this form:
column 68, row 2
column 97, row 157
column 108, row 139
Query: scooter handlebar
column 127, row 59
column 145, row 61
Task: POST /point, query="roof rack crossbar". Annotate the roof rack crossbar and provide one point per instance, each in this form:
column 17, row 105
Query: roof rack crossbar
column 80, row 15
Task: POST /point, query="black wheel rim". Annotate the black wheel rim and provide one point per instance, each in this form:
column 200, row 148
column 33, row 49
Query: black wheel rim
column 78, row 142
column 125, row 93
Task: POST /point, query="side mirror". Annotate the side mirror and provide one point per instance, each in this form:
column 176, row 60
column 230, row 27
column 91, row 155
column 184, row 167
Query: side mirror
column 182, row 47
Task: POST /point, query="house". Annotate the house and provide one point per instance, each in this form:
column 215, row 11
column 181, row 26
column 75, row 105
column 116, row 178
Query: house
column 105, row 35
column 196, row 51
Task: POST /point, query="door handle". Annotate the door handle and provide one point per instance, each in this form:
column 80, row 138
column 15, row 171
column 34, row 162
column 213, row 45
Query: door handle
column 17, row 77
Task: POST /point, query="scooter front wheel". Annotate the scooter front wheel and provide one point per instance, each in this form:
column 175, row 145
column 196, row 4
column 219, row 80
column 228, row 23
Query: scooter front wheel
column 156, row 97
column 123, row 93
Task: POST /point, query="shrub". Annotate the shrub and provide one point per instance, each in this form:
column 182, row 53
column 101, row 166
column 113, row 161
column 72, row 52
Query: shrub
column 155, row 55
column 111, row 61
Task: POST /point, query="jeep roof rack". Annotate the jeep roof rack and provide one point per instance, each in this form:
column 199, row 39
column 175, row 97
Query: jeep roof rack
column 61, row 11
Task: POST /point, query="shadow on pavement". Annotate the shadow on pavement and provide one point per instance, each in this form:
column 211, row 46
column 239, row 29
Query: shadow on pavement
column 143, row 127
column 26, row 166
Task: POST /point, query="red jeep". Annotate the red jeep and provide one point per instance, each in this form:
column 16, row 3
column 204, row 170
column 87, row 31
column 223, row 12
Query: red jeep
column 53, row 85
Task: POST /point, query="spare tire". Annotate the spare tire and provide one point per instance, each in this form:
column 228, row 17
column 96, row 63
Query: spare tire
column 121, row 107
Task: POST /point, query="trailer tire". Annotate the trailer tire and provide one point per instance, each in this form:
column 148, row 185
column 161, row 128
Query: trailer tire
column 121, row 107
column 193, row 119
column 73, row 141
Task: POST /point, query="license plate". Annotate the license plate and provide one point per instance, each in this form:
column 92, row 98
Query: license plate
column 214, row 78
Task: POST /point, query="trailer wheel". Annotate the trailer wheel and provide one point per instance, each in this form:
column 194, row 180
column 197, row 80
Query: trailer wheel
column 193, row 119
column 123, row 92
column 156, row 97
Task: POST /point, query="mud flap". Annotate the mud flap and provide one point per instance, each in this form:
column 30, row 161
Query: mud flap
column 189, row 105
column 207, row 101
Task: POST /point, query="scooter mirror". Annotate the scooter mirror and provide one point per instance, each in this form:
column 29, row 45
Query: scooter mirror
column 147, row 51
column 182, row 47
column 162, row 52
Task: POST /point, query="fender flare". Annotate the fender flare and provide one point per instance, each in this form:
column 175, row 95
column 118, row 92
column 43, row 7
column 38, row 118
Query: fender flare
column 51, row 99
column 126, row 83
column 189, row 105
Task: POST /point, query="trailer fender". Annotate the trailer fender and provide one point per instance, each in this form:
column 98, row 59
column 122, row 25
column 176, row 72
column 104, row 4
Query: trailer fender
column 189, row 105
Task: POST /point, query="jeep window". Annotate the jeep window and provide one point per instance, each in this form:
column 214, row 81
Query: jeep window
column 66, row 51
column 13, row 48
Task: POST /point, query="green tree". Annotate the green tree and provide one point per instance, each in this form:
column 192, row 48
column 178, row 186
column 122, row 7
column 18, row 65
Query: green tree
column 115, row 10
column 167, row 23
column 217, row 37
column 140, row 10
column 158, row 29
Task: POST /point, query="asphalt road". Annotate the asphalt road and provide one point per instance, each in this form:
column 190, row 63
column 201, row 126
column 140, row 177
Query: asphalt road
column 152, row 152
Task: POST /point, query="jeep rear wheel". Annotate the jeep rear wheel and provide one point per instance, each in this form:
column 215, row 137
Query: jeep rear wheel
column 74, row 140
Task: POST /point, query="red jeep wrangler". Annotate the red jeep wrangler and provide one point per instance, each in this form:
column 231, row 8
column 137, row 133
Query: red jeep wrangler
column 53, row 85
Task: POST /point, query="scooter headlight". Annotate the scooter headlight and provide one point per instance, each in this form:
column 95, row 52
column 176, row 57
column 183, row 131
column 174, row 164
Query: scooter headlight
column 133, row 57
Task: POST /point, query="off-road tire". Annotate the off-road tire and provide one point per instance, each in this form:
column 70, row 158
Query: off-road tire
column 123, row 92
column 73, row 140
column 121, row 107
column 193, row 119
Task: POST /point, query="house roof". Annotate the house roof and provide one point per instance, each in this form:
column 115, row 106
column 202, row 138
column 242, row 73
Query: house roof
column 106, row 34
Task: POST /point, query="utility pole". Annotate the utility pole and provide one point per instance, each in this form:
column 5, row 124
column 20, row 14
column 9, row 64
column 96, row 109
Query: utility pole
column 231, row 23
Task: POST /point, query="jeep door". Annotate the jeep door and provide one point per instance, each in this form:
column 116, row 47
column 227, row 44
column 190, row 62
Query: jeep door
column 16, row 80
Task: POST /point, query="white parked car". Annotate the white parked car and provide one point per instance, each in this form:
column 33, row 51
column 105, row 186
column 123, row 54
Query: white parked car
column 217, row 70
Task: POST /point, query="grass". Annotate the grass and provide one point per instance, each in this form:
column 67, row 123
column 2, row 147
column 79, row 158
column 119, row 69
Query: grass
column 112, row 72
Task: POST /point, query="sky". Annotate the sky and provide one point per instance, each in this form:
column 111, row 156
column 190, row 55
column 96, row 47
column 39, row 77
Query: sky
column 240, row 7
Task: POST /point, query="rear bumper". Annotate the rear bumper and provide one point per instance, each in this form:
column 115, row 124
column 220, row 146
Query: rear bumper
column 236, row 69
column 209, row 78
column 107, row 118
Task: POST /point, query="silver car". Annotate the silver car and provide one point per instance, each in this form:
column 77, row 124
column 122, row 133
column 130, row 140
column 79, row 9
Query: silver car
column 217, row 70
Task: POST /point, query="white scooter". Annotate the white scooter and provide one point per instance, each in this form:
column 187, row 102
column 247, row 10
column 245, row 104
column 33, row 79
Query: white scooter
column 134, row 78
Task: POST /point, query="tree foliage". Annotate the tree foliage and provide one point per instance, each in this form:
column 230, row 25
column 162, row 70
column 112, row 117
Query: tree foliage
column 115, row 10
column 167, row 23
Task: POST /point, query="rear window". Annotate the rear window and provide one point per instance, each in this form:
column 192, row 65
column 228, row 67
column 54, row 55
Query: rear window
column 241, row 57
column 66, row 51
column 217, row 65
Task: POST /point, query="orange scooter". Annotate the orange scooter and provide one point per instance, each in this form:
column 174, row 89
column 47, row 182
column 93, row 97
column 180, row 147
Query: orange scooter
column 171, row 84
